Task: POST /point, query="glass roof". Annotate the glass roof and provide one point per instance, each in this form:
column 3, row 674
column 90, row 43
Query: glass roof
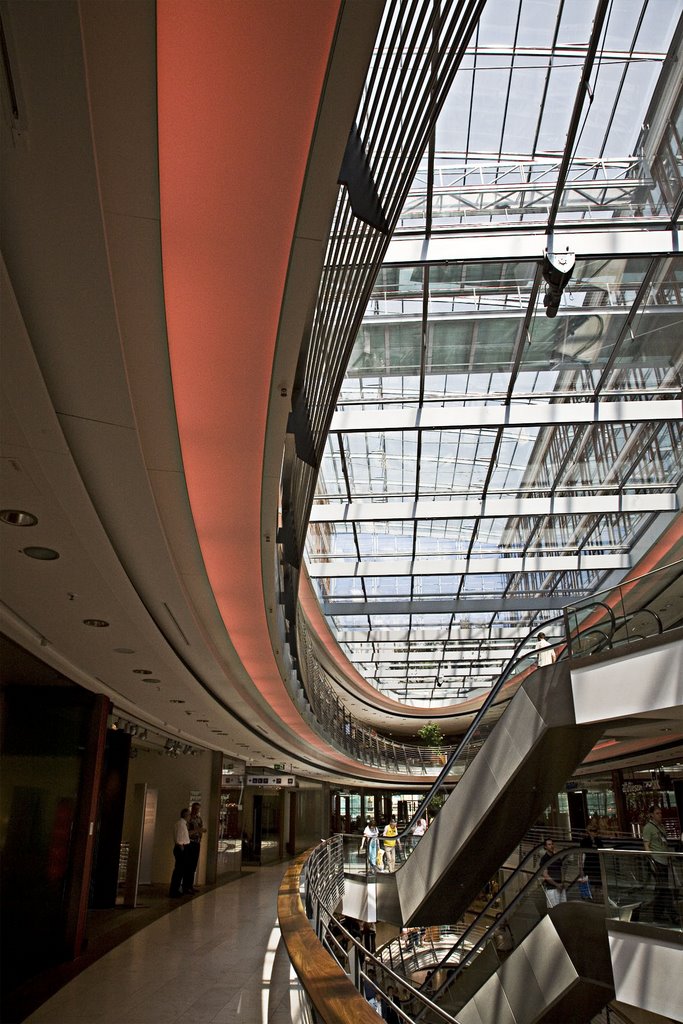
column 488, row 463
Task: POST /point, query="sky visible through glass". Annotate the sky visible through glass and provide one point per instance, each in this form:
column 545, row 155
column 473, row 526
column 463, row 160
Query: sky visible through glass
column 488, row 464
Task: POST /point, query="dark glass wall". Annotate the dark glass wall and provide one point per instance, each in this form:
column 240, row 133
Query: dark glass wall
column 46, row 726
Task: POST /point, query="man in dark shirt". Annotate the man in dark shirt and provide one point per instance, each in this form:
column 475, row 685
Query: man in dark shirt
column 555, row 891
column 389, row 1013
column 196, row 830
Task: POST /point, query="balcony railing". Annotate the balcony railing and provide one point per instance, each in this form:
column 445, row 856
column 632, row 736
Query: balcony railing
column 625, row 614
column 643, row 886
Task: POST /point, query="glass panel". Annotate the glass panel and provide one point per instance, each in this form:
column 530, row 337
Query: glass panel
column 327, row 539
column 651, row 356
column 443, row 538
column 498, row 153
column 379, row 464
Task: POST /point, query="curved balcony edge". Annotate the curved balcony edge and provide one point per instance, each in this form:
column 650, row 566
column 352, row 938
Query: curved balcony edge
column 330, row 991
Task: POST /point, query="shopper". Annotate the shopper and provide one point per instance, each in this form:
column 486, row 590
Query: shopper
column 502, row 939
column 390, row 840
column 555, row 889
column 369, row 936
column 195, row 828
column 371, row 835
column 656, row 842
column 181, row 843
column 389, row 1012
column 545, row 655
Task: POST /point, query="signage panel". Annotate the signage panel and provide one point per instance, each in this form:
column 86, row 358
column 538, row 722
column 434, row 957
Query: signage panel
column 271, row 780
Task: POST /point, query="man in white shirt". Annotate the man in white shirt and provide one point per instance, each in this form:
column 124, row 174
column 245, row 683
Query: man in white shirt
column 545, row 655
column 181, row 845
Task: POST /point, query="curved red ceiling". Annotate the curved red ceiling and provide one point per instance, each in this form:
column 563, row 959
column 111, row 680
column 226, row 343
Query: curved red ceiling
column 239, row 86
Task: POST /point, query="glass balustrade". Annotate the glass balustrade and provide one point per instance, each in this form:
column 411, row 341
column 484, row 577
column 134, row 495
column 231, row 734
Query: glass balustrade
column 643, row 887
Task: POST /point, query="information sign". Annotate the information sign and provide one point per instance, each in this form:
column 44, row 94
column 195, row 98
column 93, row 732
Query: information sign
column 271, row 780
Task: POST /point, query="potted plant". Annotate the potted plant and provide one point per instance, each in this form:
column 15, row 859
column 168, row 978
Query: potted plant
column 431, row 735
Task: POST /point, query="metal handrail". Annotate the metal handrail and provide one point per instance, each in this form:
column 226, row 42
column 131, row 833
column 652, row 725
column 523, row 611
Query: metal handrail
column 321, row 904
column 479, row 717
column 356, row 738
column 324, row 882
column 474, row 938
column 562, row 653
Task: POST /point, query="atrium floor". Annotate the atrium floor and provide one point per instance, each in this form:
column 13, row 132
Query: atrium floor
column 216, row 957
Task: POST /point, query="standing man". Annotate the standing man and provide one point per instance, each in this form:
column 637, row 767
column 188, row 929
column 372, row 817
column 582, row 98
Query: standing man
column 196, row 830
column 654, row 840
column 181, row 844
column 555, row 889
column 390, row 840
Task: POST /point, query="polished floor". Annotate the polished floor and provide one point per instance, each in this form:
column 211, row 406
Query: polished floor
column 216, row 957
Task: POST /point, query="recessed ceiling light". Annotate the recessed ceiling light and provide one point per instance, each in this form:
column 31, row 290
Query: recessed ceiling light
column 176, row 700
column 15, row 517
column 151, row 680
column 142, row 671
column 42, row 554
column 97, row 623
column 205, row 721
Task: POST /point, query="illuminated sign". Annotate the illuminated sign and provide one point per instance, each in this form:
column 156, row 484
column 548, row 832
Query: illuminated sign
column 232, row 780
column 271, row 780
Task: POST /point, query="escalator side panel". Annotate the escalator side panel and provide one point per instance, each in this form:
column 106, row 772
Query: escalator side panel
column 561, row 972
column 635, row 683
column 526, row 759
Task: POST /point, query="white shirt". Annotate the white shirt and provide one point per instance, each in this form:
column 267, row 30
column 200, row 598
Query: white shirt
column 546, row 654
column 420, row 828
column 181, row 837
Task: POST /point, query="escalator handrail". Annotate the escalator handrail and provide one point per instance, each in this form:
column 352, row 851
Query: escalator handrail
column 521, row 867
column 648, row 611
column 501, row 917
column 566, row 652
column 476, row 722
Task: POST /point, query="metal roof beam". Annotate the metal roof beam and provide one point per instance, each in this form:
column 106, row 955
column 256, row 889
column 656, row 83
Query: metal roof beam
column 498, row 245
column 491, row 417
column 456, row 566
column 441, row 606
column 494, row 508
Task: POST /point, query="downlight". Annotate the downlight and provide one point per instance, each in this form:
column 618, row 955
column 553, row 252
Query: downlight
column 16, row 517
column 42, row 554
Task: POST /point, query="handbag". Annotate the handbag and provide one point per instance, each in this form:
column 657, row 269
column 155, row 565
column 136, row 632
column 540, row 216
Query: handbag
column 361, row 848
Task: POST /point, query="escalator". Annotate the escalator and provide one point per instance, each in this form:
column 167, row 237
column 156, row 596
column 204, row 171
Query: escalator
column 520, row 764
column 555, row 967
column 534, row 728
column 561, row 972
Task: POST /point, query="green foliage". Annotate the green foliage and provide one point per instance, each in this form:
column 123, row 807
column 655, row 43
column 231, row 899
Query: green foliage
column 431, row 735
column 436, row 803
